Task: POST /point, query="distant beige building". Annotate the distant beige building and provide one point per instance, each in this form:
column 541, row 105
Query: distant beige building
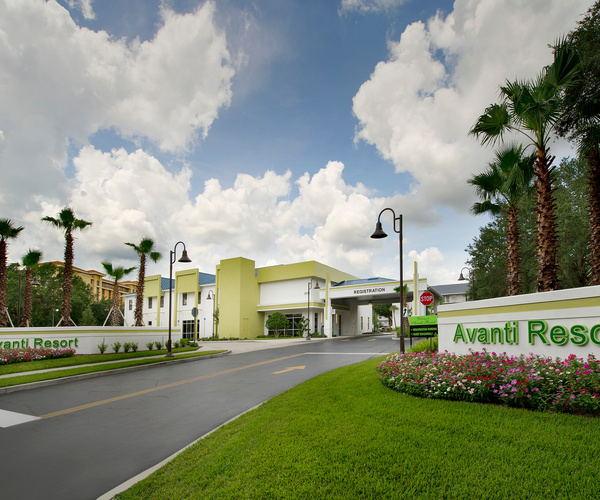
column 102, row 288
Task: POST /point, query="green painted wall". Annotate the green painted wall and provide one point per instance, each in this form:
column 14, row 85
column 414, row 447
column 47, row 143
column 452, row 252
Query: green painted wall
column 239, row 295
column 152, row 286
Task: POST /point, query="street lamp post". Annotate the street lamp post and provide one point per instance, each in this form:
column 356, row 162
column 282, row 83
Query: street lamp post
column 316, row 287
column 211, row 296
column 470, row 278
column 380, row 233
column 184, row 258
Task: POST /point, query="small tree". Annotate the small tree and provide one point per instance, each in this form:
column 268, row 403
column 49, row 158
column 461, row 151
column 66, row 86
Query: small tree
column 277, row 322
column 145, row 251
column 301, row 326
column 115, row 272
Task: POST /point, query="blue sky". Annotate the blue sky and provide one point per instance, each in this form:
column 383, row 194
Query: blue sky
column 273, row 130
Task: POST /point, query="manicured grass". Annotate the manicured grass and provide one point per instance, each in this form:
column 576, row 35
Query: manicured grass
column 158, row 357
column 46, row 364
column 344, row 435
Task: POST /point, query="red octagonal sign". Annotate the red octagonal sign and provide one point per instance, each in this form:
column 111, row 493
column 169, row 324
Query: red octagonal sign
column 426, row 298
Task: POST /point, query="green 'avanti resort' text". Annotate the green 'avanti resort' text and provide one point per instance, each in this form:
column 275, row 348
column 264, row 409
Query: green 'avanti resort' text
column 558, row 335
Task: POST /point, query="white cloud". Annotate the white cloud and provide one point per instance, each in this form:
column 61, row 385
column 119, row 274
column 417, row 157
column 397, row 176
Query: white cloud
column 131, row 195
column 84, row 5
column 418, row 106
column 369, row 6
column 61, row 83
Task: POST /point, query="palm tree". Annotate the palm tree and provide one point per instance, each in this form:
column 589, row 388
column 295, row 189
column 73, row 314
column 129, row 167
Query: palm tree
column 532, row 108
column 7, row 232
column 30, row 260
column 67, row 221
column 116, row 273
column 143, row 249
column 580, row 121
column 506, row 181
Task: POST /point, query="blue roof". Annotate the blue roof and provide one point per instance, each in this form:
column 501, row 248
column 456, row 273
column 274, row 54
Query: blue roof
column 366, row 281
column 206, row 279
column 164, row 283
column 203, row 279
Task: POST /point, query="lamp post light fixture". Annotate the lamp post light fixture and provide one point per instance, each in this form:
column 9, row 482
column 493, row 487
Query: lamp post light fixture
column 380, row 233
column 211, row 296
column 316, row 287
column 184, row 258
column 470, row 278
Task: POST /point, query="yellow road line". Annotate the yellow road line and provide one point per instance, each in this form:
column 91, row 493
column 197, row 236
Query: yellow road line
column 159, row 388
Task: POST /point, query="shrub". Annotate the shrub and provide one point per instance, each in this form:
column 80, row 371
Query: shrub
column 176, row 344
column 534, row 382
column 10, row 356
column 126, row 346
column 134, row 346
column 430, row 344
column 150, row 345
column 158, row 344
column 116, row 346
column 184, row 342
column 102, row 347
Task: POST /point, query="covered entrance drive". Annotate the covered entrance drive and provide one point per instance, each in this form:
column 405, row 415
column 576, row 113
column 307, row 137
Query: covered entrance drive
column 348, row 304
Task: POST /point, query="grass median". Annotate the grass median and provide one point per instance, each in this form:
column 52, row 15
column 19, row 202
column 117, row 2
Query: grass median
column 87, row 364
column 344, row 435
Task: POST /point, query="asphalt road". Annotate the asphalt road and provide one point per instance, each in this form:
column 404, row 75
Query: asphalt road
column 87, row 437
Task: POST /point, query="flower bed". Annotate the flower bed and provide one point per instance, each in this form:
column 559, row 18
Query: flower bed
column 8, row 356
column 535, row 382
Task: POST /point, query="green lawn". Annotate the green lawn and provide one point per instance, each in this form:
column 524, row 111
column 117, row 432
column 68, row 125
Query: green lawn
column 344, row 435
column 82, row 364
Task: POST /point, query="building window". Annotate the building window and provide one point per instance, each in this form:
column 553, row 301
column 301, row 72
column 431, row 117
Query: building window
column 131, row 305
column 200, row 297
column 187, row 328
column 292, row 331
column 149, row 302
column 184, row 299
column 162, row 301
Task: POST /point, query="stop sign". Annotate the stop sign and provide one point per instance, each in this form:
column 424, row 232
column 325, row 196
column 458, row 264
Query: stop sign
column 426, row 298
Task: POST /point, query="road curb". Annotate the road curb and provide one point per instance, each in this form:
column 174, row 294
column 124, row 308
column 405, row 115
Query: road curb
column 84, row 376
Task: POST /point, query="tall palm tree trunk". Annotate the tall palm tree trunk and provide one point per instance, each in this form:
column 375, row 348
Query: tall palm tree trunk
column 67, row 281
column 546, row 241
column 594, row 209
column 3, row 303
column 513, row 281
column 26, row 320
column 139, row 300
column 114, row 315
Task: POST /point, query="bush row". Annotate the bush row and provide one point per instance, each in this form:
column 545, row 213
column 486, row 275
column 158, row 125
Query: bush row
column 9, row 356
column 535, row 382
column 133, row 346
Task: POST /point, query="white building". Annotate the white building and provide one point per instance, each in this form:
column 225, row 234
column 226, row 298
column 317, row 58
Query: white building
column 243, row 296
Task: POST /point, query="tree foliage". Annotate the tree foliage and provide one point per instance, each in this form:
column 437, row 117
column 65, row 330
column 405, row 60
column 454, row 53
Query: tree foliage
column 487, row 252
column 277, row 322
column 145, row 250
column 67, row 222
column 47, row 297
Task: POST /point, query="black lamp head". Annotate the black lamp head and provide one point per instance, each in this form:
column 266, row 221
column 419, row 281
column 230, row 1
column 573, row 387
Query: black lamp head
column 184, row 257
column 379, row 232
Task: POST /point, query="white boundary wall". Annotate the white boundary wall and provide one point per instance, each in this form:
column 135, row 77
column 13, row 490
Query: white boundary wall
column 555, row 324
column 84, row 339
